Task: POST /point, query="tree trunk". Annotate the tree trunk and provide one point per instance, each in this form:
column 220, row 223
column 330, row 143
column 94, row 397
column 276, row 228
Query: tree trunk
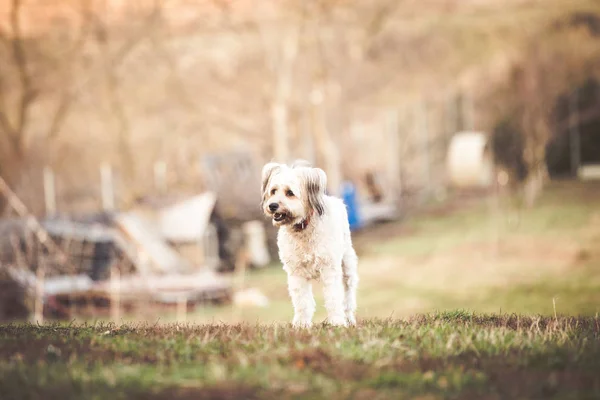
column 534, row 184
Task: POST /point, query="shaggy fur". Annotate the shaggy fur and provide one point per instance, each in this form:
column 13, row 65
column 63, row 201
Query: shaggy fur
column 314, row 241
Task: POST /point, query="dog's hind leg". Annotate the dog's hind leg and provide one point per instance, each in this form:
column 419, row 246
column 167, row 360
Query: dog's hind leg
column 350, row 270
column 300, row 291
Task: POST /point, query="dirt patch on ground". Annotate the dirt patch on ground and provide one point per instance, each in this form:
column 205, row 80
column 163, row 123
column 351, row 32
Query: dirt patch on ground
column 318, row 360
column 224, row 391
column 31, row 350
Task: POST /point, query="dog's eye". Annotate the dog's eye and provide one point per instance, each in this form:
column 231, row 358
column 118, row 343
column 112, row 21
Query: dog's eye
column 289, row 193
column 273, row 191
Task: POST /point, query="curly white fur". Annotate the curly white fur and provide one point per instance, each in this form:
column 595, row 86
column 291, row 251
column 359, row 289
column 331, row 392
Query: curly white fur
column 314, row 241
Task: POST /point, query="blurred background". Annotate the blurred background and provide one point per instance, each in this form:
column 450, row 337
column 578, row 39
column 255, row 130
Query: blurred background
column 464, row 137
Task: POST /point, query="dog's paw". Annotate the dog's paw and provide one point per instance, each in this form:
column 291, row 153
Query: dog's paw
column 351, row 320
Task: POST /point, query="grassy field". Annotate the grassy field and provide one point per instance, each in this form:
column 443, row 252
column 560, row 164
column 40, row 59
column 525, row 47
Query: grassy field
column 465, row 255
column 443, row 355
column 526, row 284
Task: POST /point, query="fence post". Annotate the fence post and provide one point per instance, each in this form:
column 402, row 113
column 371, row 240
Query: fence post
column 181, row 308
column 49, row 191
column 108, row 195
column 40, row 281
column 210, row 247
column 115, row 293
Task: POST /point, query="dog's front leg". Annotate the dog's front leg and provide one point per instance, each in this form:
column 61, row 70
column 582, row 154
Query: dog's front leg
column 349, row 267
column 333, row 291
column 300, row 290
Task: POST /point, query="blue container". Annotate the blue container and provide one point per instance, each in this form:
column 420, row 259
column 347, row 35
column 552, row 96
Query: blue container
column 350, row 198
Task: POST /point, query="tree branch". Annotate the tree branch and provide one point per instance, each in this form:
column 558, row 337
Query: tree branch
column 67, row 96
column 5, row 125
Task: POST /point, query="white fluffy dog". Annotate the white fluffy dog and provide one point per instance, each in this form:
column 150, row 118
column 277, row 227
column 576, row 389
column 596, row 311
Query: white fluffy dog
column 313, row 239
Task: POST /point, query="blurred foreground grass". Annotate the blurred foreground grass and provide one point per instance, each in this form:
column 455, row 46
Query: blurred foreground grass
column 466, row 255
column 445, row 355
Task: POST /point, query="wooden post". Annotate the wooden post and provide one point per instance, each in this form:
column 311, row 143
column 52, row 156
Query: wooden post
column 115, row 294
column 574, row 134
column 182, row 308
column 108, row 195
column 49, row 191
column 40, row 281
column 210, row 247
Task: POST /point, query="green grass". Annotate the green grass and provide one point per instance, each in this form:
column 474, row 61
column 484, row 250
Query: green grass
column 445, row 258
column 563, row 209
column 455, row 354
column 512, row 336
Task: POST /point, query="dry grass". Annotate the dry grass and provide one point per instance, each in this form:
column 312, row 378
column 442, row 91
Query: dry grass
column 442, row 260
column 448, row 355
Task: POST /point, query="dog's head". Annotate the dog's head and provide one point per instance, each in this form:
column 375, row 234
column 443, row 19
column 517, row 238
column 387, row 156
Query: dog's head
column 291, row 194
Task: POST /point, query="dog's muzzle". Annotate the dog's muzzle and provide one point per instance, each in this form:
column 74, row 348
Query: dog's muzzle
column 278, row 217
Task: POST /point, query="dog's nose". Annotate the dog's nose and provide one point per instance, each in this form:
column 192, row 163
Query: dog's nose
column 273, row 207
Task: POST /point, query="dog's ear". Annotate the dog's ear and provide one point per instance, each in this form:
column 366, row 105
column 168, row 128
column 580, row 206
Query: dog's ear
column 315, row 183
column 268, row 170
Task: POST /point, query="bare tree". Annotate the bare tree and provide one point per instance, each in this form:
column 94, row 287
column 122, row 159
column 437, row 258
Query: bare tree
column 35, row 72
column 14, row 120
column 551, row 69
